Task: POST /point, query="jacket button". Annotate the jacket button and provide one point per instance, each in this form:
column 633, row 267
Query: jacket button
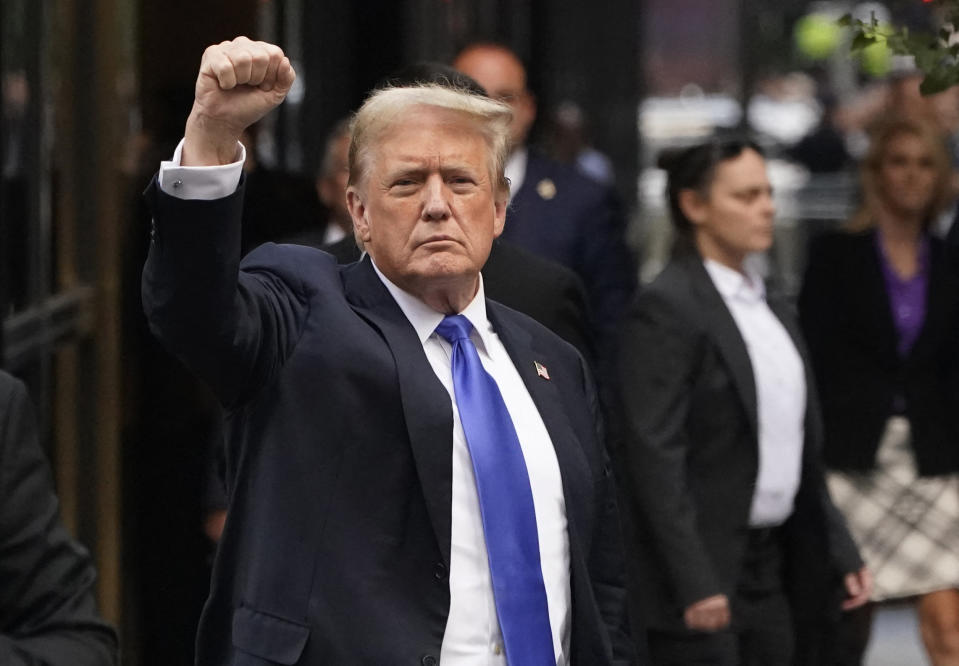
column 440, row 572
column 429, row 660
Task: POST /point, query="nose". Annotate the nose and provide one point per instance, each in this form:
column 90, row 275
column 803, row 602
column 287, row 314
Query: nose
column 769, row 206
column 436, row 205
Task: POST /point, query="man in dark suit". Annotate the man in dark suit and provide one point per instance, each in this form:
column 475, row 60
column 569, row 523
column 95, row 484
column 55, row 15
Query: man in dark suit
column 554, row 211
column 48, row 614
column 358, row 526
column 547, row 291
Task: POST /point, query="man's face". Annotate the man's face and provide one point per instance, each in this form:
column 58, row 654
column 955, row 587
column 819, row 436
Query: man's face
column 426, row 210
column 331, row 186
column 503, row 78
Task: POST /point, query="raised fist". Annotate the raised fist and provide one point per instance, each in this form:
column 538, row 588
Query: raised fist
column 240, row 81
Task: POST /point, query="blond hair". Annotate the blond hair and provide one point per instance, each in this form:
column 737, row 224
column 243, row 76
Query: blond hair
column 880, row 139
column 386, row 107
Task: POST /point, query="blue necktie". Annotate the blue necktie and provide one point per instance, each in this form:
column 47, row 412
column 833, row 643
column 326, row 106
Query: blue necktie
column 506, row 503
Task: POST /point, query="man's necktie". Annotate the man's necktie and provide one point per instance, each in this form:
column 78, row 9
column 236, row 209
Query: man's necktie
column 506, row 503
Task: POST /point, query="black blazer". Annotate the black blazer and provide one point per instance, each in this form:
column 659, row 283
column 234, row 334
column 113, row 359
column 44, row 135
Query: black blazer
column 548, row 292
column 339, row 452
column 848, row 322
column 690, row 455
column 561, row 215
column 47, row 610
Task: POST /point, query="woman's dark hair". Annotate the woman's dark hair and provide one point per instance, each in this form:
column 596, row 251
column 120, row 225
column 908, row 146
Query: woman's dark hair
column 693, row 168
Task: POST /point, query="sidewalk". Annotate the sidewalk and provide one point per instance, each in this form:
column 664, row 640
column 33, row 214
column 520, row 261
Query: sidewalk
column 895, row 638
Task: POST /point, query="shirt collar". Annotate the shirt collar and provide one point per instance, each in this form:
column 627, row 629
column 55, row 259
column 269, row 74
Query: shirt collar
column 425, row 319
column 730, row 283
column 516, row 169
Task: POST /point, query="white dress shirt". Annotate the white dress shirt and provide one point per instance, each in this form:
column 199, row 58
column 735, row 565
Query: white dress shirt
column 472, row 636
column 516, row 169
column 472, row 632
column 780, row 392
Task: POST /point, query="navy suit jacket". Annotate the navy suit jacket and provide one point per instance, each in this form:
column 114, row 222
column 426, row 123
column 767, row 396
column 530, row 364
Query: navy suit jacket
column 562, row 215
column 549, row 293
column 48, row 614
column 339, row 452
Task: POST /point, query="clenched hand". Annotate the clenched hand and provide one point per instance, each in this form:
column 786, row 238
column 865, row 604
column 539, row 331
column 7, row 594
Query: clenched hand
column 240, row 81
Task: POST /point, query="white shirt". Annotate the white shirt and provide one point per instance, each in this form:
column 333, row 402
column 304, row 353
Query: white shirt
column 472, row 631
column 472, row 636
column 516, row 169
column 780, row 392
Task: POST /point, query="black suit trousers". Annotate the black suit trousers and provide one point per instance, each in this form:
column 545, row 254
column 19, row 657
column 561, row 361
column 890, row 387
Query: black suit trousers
column 760, row 633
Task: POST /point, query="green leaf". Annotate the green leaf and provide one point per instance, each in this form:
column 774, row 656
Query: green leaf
column 938, row 80
column 861, row 41
column 845, row 21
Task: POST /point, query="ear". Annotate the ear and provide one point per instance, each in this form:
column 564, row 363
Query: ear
column 499, row 211
column 361, row 224
column 693, row 206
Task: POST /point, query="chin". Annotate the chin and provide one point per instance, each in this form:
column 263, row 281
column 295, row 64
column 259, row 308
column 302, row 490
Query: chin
column 444, row 266
column 762, row 244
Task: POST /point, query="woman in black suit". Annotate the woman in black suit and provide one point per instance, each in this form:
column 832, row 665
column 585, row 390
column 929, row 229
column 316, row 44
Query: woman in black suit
column 734, row 545
column 880, row 309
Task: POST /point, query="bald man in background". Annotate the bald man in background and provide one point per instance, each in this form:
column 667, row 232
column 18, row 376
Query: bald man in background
column 554, row 211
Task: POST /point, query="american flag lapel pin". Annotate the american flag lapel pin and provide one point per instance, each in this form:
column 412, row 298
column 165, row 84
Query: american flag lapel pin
column 541, row 370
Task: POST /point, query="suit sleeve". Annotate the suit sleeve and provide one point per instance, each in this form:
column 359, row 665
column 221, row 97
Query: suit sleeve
column 232, row 327
column 818, row 313
column 819, row 316
column 48, row 616
column 657, row 367
column 607, row 564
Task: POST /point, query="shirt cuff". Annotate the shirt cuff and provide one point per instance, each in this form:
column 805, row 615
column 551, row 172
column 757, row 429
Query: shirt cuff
column 200, row 182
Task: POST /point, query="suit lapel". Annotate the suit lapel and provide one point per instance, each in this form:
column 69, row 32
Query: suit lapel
column 546, row 396
column 813, row 421
column 721, row 327
column 941, row 287
column 426, row 404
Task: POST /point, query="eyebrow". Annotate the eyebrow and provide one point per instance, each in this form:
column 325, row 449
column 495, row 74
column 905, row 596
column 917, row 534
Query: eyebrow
column 417, row 168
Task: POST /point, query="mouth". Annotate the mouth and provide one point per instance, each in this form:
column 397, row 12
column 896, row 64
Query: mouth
column 439, row 239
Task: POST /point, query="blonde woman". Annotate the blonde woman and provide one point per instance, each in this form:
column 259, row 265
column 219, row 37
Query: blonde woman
column 880, row 309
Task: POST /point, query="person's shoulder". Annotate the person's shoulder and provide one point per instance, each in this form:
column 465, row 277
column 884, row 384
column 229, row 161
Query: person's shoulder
column 512, row 319
column 840, row 240
column 345, row 250
column 554, row 180
column 675, row 281
column 672, row 294
column 297, row 265
column 511, row 259
column 839, row 251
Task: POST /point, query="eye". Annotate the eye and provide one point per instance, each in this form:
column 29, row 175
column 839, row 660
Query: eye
column 460, row 182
